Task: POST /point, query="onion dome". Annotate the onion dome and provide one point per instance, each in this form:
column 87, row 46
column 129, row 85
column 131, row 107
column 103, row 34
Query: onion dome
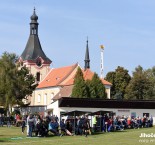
column 34, row 16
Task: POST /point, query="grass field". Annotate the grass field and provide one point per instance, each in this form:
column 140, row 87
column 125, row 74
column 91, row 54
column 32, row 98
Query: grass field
column 13, row 136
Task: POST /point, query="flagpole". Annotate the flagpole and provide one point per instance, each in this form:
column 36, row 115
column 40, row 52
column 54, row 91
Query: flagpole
column 102, row 66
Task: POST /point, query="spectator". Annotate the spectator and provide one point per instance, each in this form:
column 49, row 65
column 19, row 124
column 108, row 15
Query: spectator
column 94, row 123
column 23, row 124
column 31, row 124
column 53, row 127
column 63, row 128
column 86, row 125
column 28, row 124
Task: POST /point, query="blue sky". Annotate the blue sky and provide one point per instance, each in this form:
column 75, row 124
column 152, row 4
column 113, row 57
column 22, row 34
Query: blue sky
column 125, row 27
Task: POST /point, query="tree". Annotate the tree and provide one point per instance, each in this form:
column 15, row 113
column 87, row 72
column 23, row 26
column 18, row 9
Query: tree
column 97, row 89
column 120, row 79
column 139, row 86
column 79, row 89
column 151, row 76
column 15, row 83
column 93, row 88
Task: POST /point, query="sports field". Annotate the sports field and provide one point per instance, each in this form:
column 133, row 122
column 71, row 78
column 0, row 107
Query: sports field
column 13, row 136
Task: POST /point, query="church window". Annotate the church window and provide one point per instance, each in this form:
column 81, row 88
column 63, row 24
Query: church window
column 39, row 98
column 38, row 76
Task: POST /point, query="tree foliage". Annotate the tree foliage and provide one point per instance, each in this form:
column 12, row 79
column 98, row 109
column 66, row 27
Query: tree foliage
column 15, row 83
column 141, row 85
column 88, row 88
column 120, row 79
column 79, row 89
column 97, row 89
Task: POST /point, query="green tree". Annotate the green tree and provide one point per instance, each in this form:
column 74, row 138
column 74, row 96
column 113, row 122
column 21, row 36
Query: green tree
column 79, row 89
column 88, row 88
column 15, row 83
column 139, row 86
column 120, row 79
column 151, row 76
column 97, row 89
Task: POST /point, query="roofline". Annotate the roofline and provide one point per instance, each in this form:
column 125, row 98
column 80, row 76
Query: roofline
column 106, row 103
column 74, row 66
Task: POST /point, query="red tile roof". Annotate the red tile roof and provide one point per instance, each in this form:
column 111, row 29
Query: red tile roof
column 64, row 76
column 56, row 76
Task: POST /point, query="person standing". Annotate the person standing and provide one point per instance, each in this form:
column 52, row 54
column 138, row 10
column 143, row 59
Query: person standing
column 94, row 121
column 31, row 124
column 86, row 125
column 27, row 124
column 23, row 125
column 0, row 120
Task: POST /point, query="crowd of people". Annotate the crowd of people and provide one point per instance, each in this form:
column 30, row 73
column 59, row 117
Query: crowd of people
column 42, row 126
column 108, row 124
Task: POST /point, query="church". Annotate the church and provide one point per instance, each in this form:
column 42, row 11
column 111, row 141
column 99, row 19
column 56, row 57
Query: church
column 53, row 93
column 53, row 83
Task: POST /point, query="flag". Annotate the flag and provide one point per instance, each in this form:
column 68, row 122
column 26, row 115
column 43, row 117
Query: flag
column 102, row 47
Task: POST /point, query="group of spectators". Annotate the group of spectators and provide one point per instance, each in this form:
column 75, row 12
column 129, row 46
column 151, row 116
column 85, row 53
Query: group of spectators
column 51, row 124
column 114, row 123
column 6, row 120
column 42, row 126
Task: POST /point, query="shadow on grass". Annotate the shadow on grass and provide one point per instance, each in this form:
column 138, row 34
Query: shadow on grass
column 3, row 141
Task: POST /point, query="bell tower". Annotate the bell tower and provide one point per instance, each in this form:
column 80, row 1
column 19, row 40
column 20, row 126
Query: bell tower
column 33, row 57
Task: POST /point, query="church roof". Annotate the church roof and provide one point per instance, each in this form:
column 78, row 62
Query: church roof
column 33, row 50
column 57, row 76
column 64, row 76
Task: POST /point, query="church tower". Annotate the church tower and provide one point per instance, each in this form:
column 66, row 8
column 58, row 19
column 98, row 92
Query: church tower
column 33, row 57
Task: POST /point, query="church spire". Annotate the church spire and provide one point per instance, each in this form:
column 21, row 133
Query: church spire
column 87, row 60
column 33, row 50
column 34, row 24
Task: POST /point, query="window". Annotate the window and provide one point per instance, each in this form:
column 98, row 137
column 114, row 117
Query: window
column 52, row 95
column 39, row 98
column 33, row 31
column 45, row 99
column 38, row 76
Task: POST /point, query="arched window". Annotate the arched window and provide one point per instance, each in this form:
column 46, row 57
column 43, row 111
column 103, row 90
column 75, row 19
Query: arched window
column 52, row 95
column 38, row 76
column 45, row 99
column 39, row 98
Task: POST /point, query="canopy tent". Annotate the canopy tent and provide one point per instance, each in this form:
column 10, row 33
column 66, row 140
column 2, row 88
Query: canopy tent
column 74, row 114
column 101, row 113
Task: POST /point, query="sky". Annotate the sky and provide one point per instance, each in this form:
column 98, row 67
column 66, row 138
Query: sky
column 126, row 28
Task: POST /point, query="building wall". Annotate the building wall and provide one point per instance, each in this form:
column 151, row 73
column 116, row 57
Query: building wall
column 107, row 89
column 54, row 108
column 118, row 112
column 34, row 69
column 44, row 96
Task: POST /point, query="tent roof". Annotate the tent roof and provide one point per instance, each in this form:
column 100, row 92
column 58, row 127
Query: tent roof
column 75, row 113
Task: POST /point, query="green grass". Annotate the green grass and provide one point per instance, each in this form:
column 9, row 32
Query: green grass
column 8, row 136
